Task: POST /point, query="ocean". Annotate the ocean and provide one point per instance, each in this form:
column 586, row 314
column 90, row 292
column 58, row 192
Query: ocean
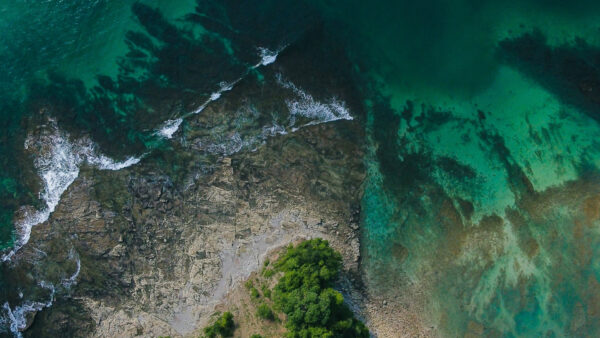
column 480, row 204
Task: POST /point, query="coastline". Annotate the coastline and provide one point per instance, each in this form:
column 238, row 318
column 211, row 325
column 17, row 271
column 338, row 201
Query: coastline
column 160, row 246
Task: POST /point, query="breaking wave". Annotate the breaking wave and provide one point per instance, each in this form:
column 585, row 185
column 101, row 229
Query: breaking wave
column 314, row 111
column 303, row 108
column 57, row 160
column 16, row 319
column 170, row 127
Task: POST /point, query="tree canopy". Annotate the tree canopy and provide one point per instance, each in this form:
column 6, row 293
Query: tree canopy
column 305, row 294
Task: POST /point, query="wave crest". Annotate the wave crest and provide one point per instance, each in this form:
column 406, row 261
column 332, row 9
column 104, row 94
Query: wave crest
column 57, row 161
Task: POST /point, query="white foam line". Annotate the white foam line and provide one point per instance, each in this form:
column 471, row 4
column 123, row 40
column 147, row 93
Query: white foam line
column 58, row 165
column 267, row 56
column 306, row 106
column 274, row 130
column 309, row 108
column 223, row 87
column 71, row 280
column 18, row 316
column 170, row 127
column 106, row 163
column 58, row 161
column 67, row 283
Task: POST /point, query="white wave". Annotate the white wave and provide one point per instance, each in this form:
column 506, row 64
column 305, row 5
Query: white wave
column 58, row 166
column 71, row 280
column 223, row 87
column 169, row 128
column 106, row 163
column 312, row 112
column 273, row 130
column 57, row 161
column 267, row 56
column 306, row 106
column 17, row 317
column 227, row 146
column 68, row 282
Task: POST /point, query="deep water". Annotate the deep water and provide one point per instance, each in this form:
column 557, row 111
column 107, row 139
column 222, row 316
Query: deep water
column 482, row 121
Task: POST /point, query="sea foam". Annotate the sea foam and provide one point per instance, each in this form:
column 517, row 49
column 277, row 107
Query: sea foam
column 57, row 161
column 170, row 127
column 267, row 56
column 17, row 317
column 315, row 111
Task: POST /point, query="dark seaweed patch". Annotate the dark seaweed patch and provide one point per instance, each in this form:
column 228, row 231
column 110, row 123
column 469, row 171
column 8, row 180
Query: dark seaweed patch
column 400, row 174
column 571, row 72
column 169, row 70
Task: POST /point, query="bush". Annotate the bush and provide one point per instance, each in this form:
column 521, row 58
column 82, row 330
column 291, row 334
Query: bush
column 268, row 273
column 223, row 326
column 256, row 335
column 265, row 312
column 306, row 296
column 248, row 284
column 266, row 291
column 254, row 293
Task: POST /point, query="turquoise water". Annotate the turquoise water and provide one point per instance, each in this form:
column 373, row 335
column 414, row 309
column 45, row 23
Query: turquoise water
column 116, row 72
column 482, row 121
column 37, row 43
column 484, row 205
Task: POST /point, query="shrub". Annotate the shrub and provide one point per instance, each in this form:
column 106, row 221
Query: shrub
column 306, row 296
column 268, row 273
column 223, row 326
column 248, row 284
column 265, row 312
column 254, row 293
column 266, row 291
column 256, row 335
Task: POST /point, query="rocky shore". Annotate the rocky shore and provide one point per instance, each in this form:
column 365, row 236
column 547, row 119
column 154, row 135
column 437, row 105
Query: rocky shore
column 173, row 252
column 153, row 249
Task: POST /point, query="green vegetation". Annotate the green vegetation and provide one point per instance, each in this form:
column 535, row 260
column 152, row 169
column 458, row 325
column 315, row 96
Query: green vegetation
column 303, row 293
column 268, row 273
column 266, row 291
column 306, row 296
column 223, row 327
column 265, row 312
column 248, row 284
column 267, row 262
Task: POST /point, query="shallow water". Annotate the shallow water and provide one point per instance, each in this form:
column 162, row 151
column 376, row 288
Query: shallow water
column 482, row 159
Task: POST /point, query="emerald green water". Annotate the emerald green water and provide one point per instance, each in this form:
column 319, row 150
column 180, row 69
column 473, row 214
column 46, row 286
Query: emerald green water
column 36, row 42
column 483, row 204
column 481, row 207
